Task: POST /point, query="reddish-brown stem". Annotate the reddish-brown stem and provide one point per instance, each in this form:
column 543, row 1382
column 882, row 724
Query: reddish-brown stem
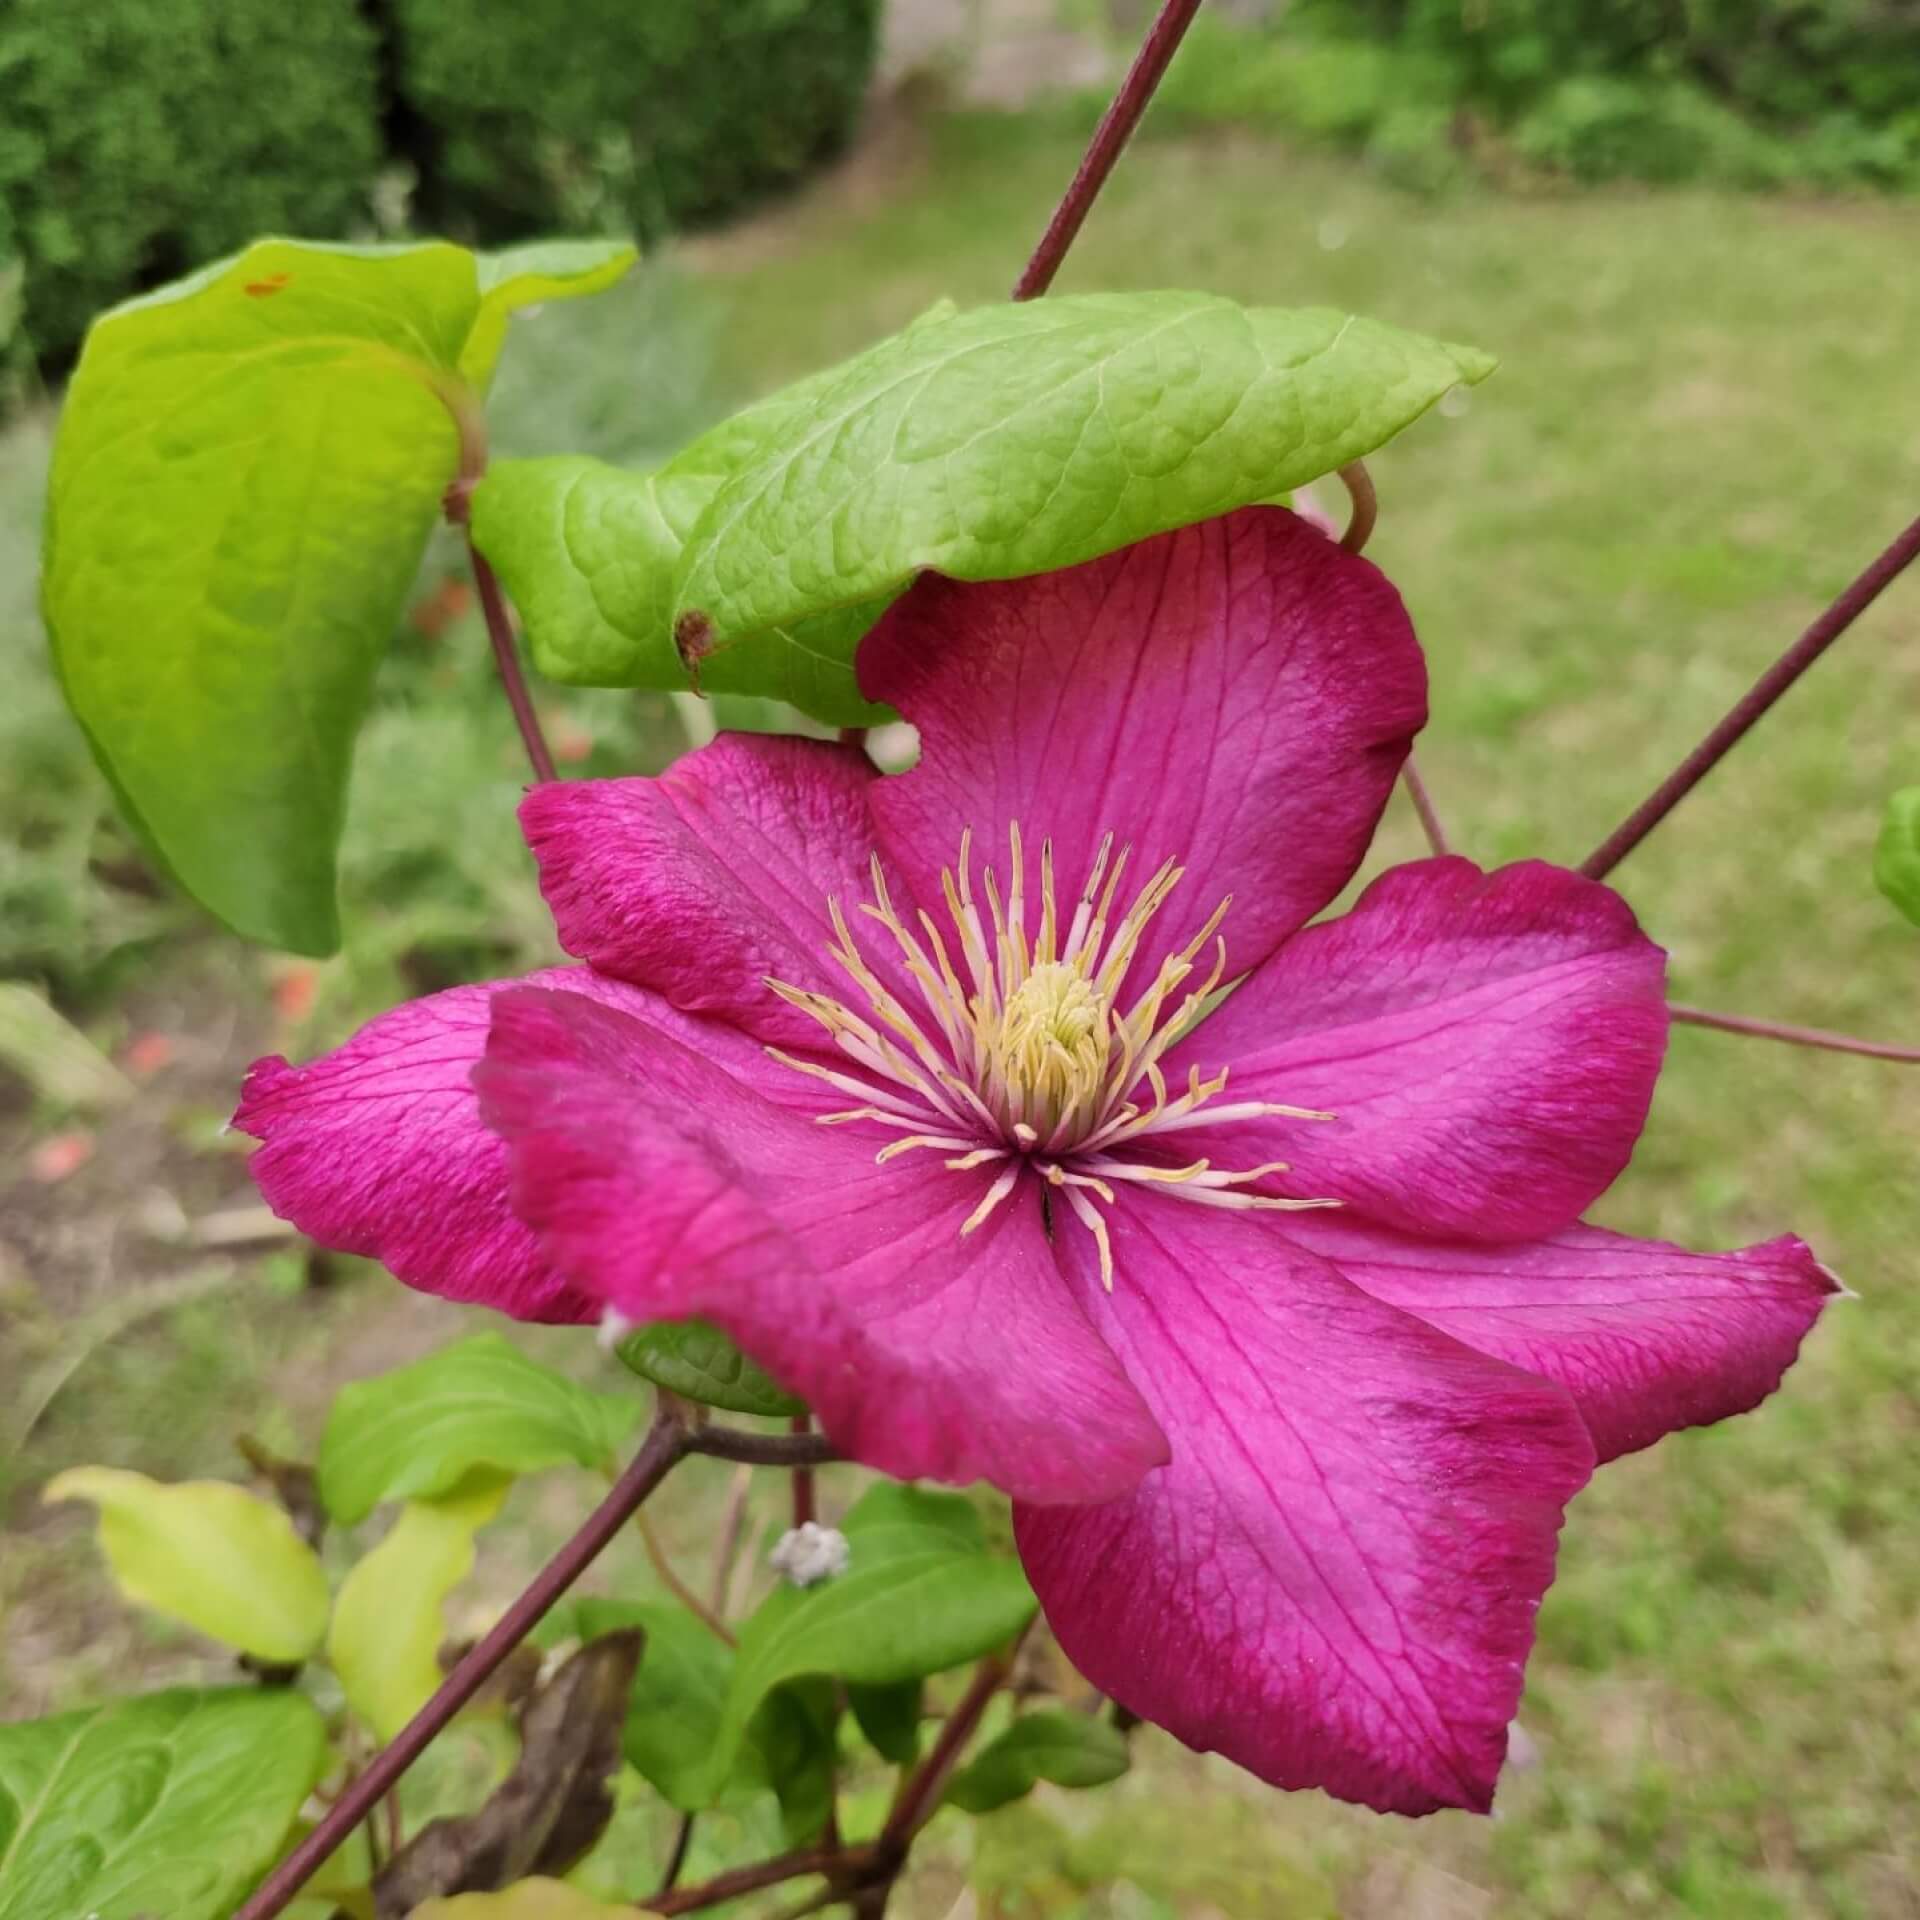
column 819, row 1903
column 763, row 1873
column 1363, row 505
column 1109, row 138
column 682, row 1840
column 1759, row 699
column 1423, row 806
column 1795, row 1036
column 919, row 1795
column 665, row 1444
column 669, row 1441
column 506, row 658
column 763, row 1449
column 802, row 1478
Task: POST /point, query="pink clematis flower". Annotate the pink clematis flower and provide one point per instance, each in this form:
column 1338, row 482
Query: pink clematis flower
column 1273, row 1311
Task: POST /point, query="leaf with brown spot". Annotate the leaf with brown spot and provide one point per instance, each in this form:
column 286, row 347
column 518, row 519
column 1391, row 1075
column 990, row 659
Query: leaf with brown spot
column 294, row 1486
column 547, row 1814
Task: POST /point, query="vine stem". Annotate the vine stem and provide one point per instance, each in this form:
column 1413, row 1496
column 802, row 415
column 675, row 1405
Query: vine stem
column 1423, row 806
column 667, row 1443
column 1759, row 699
column 506, row 658
column 763, row 1449
column 919, row 1797
column 682, row 1840
column 1794, row 1036
column 1363, row 505
column 803, row 1502
column 861, row 1873
column 732, row 1521
column 738, row 1880
column 1109, row 139
column 670, row 1440
column 670, row 1579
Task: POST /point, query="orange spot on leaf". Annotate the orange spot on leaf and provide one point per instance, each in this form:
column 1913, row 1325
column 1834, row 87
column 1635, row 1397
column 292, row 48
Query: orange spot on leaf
column 259, row 289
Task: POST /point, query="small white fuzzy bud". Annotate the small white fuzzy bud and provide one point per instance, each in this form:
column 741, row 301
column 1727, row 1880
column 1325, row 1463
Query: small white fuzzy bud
column 809, row 1553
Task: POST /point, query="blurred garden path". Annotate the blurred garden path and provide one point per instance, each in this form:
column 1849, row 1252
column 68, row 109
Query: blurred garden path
column 995, row 53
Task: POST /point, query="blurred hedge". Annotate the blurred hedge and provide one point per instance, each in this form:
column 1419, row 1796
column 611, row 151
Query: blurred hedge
column 141, row 137
column 1824, row 93
column 649, row 114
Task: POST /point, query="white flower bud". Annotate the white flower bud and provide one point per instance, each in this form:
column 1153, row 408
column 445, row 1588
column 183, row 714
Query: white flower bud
column 809, row 1553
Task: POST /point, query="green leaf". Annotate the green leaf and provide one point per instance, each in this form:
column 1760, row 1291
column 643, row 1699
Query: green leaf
column 678, row 1705
column 679, row 1696
column 697, row 1361
column 1896, row 858
column 389, row 1619
column 172, row 1804
column 587, row 550
column 1069, row 1749
column 793, row 1735
column 419, row 1431
column 890, row 1718
column 921, row 1594
column 248, row 465
column 213, row 1555
column 1005, row 441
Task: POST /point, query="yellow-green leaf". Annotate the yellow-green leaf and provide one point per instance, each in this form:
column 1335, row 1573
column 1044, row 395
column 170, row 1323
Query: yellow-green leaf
column 248, row 465
column 389, row 1621
column 212, row 1555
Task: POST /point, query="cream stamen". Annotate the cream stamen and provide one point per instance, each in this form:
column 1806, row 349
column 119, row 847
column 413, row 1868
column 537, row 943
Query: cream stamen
column 1022, row 1048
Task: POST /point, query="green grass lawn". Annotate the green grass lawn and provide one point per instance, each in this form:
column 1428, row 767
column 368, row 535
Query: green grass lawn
column 1707, row 419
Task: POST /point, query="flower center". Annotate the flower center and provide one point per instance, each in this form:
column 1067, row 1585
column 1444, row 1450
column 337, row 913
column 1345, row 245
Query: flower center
column 1050, row 1048
column 1021, row 1050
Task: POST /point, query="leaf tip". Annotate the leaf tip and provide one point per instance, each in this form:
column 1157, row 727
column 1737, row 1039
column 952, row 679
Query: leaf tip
column 1474, row 364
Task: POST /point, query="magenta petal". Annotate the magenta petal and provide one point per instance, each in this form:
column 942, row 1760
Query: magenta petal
column 1646, row 1337
column 377, row 1149
column 1334, row 1582
column 702, row 883
column 1486, row 1042
column 1237, row 696
column 666, row 1187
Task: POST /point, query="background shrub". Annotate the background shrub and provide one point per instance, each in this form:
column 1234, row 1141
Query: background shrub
column 139, row 138
column 1824, row 93
column 663, row 114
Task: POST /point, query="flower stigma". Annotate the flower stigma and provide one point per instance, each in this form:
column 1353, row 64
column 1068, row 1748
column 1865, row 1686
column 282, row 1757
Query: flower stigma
column 1022, row 1050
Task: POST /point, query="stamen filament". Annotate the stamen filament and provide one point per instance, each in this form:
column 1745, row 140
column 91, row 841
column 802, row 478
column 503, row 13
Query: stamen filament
column 1089, row 1217
column 995, row 1194
column 1020, row 1049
